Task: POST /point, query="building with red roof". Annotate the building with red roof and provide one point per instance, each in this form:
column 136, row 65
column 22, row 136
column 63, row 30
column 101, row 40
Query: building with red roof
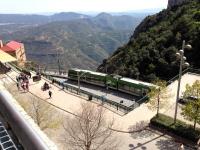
column 15, row 49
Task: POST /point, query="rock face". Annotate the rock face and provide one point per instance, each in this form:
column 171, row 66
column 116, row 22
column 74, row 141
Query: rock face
column 172, row 3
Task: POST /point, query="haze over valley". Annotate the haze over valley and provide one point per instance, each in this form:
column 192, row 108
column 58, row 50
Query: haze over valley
column 77, row 40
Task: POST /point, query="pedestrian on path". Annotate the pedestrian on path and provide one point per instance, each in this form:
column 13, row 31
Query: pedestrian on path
column 27, row 86
column 198, row 144
column 63, row 86
column 53, row 81
column 181, row 147
column 50, row 94
column 18, row 86
column 17, row 78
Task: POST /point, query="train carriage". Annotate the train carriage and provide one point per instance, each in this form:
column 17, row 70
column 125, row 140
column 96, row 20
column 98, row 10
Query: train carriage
column 96, row 78
column 73, row 74
column 116, row 82
column 87, row 76
column 134, row 87
column 112, row 81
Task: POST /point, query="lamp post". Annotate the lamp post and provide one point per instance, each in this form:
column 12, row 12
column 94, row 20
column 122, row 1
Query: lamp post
column 158, row 107
column 182, row 62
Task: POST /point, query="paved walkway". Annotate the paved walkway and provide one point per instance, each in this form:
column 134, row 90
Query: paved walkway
column 113, row 95
column 71, row 103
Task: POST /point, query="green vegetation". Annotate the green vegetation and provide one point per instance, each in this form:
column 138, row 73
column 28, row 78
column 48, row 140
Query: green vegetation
column 80, row 43
column 180, row 128
column 150, row 53
column 191, row 111
column 158, row 96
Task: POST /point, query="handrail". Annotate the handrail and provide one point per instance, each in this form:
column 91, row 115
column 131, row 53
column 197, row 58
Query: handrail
column 106, row 100
column 29, row 138
column 176, row 77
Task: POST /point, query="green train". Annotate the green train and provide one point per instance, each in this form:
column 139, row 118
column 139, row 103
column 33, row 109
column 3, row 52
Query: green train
column 115, row 82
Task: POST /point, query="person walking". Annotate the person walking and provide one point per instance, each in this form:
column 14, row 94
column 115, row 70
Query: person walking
column 23, row 86
column 63, row 86
column 198, row 144
column 53, row 81
column 27, row 87
column 181, row 147
column 50, row 94
column 18, row 86
column 17, row 78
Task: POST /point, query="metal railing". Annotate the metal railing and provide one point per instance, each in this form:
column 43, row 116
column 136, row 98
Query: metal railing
column 29, row 138
column 176, row 77
column 104, row 100
column 188, row 70
column 91, row 96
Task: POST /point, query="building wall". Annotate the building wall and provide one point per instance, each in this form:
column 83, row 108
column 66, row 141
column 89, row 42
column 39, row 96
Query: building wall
column 1, row 43
column 20, row 55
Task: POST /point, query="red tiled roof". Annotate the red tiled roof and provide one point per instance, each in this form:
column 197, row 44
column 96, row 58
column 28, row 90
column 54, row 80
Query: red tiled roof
column 11, row 46
column 7, row 49
column 14, row 45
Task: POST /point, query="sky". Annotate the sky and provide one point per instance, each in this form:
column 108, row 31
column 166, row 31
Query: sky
column 38, row 6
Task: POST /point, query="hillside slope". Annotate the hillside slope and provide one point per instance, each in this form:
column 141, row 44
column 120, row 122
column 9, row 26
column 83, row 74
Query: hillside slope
column 82, row 43
column 150, row 53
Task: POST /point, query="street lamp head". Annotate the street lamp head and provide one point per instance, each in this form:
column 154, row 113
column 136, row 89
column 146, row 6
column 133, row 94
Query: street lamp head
column 186, row 64
column 188, row 46
column 181, row 52
column 178, row 55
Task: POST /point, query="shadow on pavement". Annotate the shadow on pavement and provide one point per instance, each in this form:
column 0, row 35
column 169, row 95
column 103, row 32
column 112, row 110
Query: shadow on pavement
column 167, row 144
column 132, row 147
column 143, row 134
column 140, row 130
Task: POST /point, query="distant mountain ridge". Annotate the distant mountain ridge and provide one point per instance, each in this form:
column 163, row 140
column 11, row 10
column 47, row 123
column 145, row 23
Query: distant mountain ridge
column 82, row 41
column 40, row 19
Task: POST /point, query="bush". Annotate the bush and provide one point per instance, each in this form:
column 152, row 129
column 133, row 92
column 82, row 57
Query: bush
column 180, row 128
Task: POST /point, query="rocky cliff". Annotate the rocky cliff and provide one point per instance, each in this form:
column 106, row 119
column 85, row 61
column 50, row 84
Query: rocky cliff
column 172, row 3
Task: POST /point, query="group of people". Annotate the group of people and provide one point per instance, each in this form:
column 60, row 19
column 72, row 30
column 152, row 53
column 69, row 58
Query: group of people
column 23, row 82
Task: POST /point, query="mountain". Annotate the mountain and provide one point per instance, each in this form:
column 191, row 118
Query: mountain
column 21, row 19
column 63, row 16
column 125, row 22
column 82, row 43
column 40, row 19
column 151, row 50
column 172, row 3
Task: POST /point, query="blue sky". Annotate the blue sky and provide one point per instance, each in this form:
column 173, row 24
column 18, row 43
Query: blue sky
column 38, row 6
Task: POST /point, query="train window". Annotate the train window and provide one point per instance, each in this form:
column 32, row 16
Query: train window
column 132, row 89
column 138, row 91
column 145, row 90
column 126, row 87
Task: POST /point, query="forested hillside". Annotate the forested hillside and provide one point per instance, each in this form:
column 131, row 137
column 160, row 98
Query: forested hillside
column 79, row 42
column 150, row 53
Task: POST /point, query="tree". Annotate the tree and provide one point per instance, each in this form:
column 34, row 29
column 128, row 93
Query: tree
column 42, row 113
column 191, row 111
column 90, row 130
column 158, row 95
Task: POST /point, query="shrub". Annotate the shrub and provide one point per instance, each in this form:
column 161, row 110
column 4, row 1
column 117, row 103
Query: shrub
column 180, row 128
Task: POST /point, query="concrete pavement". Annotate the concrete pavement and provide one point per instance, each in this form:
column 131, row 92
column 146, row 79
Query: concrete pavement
column 71, row 103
